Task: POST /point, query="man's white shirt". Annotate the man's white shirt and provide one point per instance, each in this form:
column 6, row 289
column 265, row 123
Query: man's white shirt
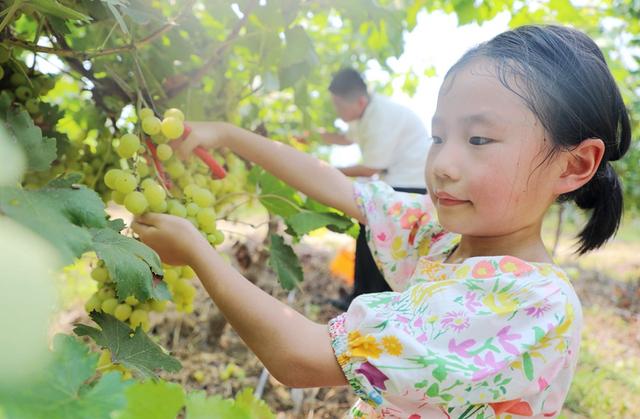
column 392, row 137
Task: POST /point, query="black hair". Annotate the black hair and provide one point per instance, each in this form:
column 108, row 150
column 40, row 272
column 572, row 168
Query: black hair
column 563, row 78
column 348, row 83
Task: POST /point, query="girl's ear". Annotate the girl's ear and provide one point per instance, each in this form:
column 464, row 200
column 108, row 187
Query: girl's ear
column 580, row 165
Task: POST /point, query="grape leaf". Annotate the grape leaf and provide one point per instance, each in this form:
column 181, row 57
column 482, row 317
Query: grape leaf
column 285, row 263
column 304, row 222
column 62, row 391
column 278, row 197
column 130, row 264
column 256, row 408
column 59, row 215
column 136, row 352
column 40, row 151
column 245, row 406
column 153, row 400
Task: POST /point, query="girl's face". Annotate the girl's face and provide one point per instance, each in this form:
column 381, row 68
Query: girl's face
column 482, row 170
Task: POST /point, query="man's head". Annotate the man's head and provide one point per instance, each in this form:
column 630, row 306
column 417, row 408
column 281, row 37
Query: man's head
column 349, row 94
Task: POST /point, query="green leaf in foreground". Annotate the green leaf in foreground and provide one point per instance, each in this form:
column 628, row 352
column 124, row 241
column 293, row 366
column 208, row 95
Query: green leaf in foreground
column 153, row 400
column 62, row 391
column 59, row 215
column 130, row 264
column 285, row 263
column 245, row 406
column 40, row 151
column 134, row 350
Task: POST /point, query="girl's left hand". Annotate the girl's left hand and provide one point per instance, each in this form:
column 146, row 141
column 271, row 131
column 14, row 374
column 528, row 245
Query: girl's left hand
column 175, row 239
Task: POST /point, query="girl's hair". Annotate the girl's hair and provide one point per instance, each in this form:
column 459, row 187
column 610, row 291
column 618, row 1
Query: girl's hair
column 563, row 78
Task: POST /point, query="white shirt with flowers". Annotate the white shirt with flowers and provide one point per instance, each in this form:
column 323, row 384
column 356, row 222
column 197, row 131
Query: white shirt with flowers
column 491, row 337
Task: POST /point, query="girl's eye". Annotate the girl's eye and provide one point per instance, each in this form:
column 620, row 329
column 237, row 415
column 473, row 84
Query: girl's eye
column 480, row 140
column 436, row 140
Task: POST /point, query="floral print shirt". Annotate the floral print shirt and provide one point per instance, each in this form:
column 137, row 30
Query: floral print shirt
column 491, row 337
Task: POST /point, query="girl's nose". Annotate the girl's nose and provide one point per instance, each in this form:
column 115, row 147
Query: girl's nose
column 446, row 162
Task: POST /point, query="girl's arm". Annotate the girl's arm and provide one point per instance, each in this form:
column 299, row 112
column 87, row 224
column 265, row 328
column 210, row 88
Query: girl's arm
column 295, row 350
column 305, row 173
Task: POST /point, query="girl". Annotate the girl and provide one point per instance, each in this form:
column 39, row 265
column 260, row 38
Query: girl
column 480, row 322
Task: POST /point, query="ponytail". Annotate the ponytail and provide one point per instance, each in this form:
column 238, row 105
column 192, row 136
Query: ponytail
column 603, row 196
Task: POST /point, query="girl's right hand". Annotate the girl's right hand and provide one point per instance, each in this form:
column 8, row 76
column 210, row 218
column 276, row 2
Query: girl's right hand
column 210, row 135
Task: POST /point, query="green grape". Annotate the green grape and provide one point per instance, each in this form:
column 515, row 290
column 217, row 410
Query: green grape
column 122, row 312
column 171, row 276
column 216, row 238
column 192, row 220
column 1, row 73
column 100, row 274
column 144, row 306
column 142, row 170
column 215, row 186
column 175, row 168
column 151, row 125
column 32, row 105
column 184, row 288
column 129, row 145
column 172, row 127
column 164, row 152
column 106, row 293
column 206, row 219
column 93, row 304
column 18, row 79
column 118, row 197
column 203, row 198
column 147, row 182
column 159, row 306
column 176, row 208
column 136, row 203
column 188, row 272
column 126, row 183
column 192, row 209
column 5, row 54
column 131, row 300
column 201, row 180
column 154, row 193
column 108, row 306
column 139, row 318
column 174, row 112
column 185, row 180
column 159, row 139
column 160, row 207
column 189, row 190
column 145, row 113
column 23, row 93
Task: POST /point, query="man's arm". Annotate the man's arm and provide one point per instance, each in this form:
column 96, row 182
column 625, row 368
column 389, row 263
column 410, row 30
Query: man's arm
column 359, row 171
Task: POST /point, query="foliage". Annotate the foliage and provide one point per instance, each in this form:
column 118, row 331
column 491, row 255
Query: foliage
column 74, row 75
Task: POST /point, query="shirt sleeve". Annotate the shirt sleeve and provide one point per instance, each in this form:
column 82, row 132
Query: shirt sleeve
column 475, row 341
column 399, row 227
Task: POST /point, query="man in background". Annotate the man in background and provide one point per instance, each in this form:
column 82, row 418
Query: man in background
column 393, row 142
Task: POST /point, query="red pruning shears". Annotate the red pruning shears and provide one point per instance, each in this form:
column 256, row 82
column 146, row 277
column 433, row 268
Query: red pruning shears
column 216, row 170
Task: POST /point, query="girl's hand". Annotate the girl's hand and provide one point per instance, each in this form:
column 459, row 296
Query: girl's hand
column 209, row 135
column 175, row 239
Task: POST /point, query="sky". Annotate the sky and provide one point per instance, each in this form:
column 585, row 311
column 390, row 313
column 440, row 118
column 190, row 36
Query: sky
column 435, row 41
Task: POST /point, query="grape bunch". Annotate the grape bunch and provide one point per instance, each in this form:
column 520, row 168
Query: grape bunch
column 23, row 85
column 127, row 309
column 148, row 177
